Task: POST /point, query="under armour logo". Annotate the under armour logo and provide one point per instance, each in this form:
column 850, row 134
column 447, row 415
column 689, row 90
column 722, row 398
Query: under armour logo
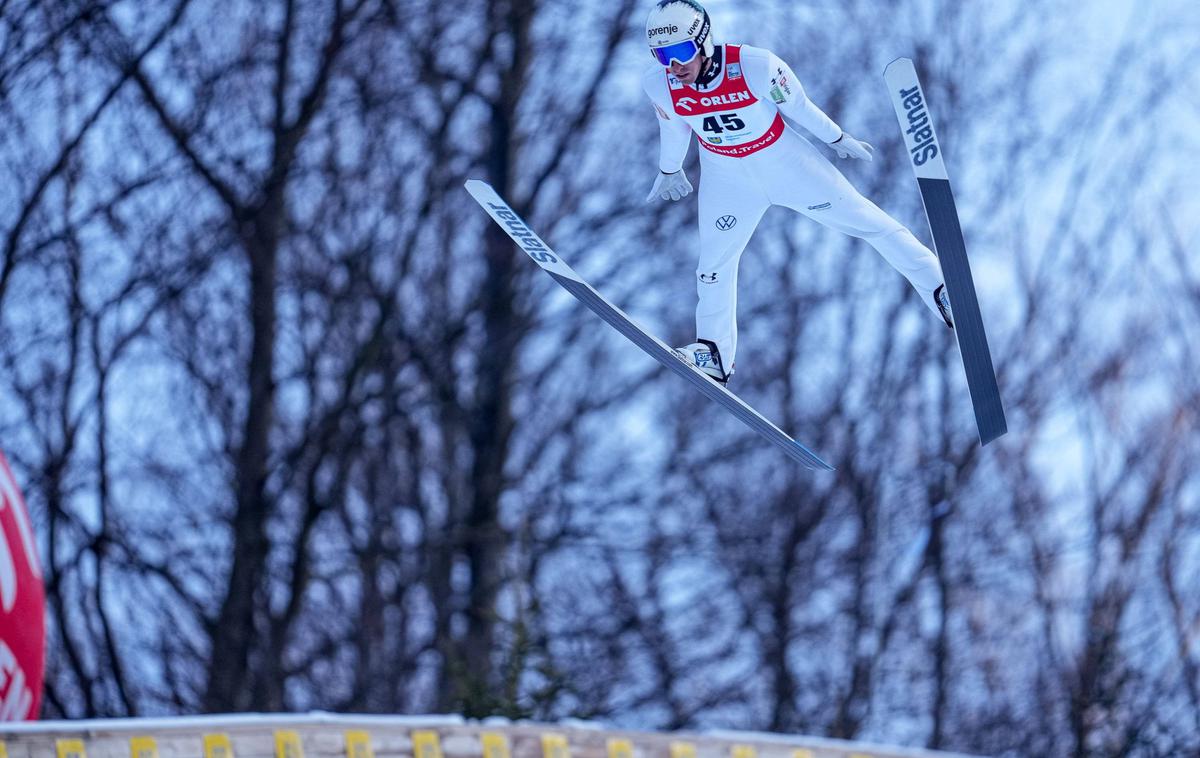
column 709, row 278
column 686, row 103
column 725, row 223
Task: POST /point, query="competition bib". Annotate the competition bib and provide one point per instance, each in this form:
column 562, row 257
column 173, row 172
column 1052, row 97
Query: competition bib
column 727, row 119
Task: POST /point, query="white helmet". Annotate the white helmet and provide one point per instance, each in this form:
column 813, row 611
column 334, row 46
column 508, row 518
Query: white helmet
column 678, row 30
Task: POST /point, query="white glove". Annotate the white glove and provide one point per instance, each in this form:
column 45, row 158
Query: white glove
column 848, row 147
column 671, row 186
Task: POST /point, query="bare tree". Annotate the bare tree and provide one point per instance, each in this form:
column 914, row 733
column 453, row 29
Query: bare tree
column 303, row 430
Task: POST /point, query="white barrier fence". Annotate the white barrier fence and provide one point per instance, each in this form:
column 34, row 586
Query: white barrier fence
column 322, row 735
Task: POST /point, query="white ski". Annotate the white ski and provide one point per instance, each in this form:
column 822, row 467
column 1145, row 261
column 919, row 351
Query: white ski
column 925, row 154
column 552, row 264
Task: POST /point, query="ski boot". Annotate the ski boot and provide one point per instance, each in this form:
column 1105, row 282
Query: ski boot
column 943, row 305
column 704, row 355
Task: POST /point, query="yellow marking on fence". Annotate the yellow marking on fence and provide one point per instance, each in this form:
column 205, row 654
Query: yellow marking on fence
column 3, row 750
column 620, row 748
column 495, row 745
column 287, row 744
column 217, row 746
column 70, row 749
column 426, row 744
column 802, row 753
column 743, row 751
column 358, row 745
column 143, row 747
column 555, row 745
column 683, row 750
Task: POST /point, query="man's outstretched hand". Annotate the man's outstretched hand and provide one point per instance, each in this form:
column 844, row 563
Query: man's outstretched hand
column 848, row 147
column 671, row 186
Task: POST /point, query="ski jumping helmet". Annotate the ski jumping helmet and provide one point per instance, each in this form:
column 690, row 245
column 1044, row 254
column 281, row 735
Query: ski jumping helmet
column 678, row 30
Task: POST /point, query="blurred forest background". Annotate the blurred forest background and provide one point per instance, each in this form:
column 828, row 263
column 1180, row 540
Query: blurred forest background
column 299, row 429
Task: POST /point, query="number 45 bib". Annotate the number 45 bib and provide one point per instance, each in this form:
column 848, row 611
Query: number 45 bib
column 728, row 119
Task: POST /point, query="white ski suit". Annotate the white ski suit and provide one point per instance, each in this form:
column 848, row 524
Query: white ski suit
column 750, row 160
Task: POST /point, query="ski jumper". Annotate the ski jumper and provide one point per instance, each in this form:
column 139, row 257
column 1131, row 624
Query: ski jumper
column 750, row 159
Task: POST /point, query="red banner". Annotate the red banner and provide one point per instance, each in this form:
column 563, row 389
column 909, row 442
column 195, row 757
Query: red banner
column 22, row 606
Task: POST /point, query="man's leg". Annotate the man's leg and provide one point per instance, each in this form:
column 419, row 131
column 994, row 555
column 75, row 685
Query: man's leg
column 730, row 209
column 817, row 189
column 859, row 217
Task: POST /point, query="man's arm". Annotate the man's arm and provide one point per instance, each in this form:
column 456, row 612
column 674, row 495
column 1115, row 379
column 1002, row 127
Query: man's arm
column 770, row 78
column 674, row 135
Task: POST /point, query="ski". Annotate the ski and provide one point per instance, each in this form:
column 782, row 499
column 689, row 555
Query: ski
column 925, row 153
column 553, row 264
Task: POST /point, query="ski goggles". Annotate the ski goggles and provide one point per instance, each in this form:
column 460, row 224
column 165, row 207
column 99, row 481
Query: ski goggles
column 683, row 52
